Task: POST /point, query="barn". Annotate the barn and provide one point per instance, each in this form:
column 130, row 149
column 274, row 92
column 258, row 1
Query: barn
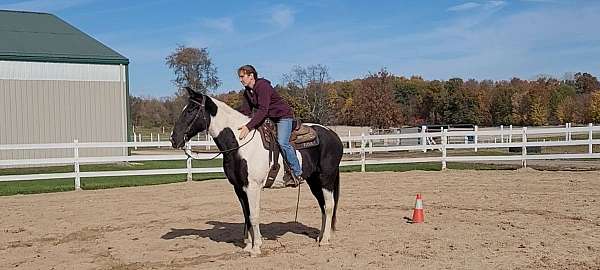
column 58, row 84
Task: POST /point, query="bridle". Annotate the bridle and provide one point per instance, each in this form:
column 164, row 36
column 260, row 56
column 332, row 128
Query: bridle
column 195, row 155
column 200, row 111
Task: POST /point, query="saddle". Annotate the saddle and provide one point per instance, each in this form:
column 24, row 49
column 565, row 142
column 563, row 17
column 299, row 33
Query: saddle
column 302, row 137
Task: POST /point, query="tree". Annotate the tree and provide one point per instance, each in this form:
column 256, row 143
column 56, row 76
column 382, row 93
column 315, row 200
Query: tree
column 538, row 114
column 460, row 106
column 586, row 83
column 193, row 67
column 558, row 96
column 501, row 105
column 233, row 99
column 374, row 105
column 308, row 87
column 566, row 110
column 595, row 107
column 408, row 94
column 148, row 112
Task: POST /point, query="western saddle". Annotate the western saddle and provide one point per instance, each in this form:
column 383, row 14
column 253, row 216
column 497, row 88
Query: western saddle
column 302, row 137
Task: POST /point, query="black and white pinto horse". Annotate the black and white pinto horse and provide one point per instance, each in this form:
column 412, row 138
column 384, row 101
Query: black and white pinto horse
column 246, row 162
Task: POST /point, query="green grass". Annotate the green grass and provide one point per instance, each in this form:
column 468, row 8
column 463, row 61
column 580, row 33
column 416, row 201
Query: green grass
column 35, row 186
column 57, row 185
column 145, row 165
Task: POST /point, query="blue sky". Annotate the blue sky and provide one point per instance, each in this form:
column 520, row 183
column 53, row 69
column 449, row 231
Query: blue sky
column 435, row 39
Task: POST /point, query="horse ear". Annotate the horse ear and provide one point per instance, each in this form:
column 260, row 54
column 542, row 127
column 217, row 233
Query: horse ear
column 191, row 92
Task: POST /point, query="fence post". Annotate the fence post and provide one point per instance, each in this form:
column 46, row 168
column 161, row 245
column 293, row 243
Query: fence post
column 207, row 140
column 151, row 137
column 510, row 135
column 570, row 131
column 76, row 165
column 501, row 133
column 349, row 143
column 158, row 139
column 189, row 163
column 370, row 146
column 134, row 140
column 524, row 148
column 423, row 139
column 444, row 142
column 362, row 152
column 476, row 137
column 567, row 125
column 590, row 138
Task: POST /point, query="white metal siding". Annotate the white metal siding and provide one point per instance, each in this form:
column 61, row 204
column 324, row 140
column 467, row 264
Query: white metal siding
column 13, row 70
column 59, row 109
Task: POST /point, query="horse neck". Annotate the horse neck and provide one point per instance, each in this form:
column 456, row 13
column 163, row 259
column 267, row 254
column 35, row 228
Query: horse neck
column 226, row 117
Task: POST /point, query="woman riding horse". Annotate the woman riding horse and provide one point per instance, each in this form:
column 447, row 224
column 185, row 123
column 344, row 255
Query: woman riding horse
column 263, row 102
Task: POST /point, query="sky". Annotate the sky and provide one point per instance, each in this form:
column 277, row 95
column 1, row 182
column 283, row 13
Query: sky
column 438, row 39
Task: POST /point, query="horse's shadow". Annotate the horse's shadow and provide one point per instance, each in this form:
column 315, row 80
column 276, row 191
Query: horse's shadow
column 224, row 232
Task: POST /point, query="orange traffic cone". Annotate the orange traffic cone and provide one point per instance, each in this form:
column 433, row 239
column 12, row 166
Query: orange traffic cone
column 418, row 216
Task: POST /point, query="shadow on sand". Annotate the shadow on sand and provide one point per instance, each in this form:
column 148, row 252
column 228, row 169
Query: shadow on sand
column 224, row 232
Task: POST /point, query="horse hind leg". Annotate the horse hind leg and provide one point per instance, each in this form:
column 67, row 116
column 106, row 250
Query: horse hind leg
column 326, row 202
column 327, row 217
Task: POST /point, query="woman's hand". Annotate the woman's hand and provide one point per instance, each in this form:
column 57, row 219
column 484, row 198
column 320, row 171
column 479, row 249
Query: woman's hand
column 243, row 131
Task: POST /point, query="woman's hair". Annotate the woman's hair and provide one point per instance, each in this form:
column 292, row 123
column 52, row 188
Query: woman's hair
column 248, row 69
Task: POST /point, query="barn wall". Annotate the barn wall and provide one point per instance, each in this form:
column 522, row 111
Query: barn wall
column 57, row 103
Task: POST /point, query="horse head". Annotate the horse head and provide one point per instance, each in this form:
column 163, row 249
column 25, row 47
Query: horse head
column 194, row 118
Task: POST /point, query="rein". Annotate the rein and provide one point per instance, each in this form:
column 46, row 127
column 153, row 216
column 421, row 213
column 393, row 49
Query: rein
column 196, row 155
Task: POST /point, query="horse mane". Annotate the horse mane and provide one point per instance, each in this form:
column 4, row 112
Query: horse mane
column 227, row 116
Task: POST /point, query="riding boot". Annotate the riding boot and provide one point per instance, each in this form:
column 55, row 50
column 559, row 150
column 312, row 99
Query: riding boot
column 294, row 181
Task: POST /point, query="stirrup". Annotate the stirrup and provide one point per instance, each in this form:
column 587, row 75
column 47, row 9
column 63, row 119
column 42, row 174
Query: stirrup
column 294, row 181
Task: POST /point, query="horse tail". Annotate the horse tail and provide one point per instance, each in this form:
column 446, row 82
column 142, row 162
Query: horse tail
column 336, row 196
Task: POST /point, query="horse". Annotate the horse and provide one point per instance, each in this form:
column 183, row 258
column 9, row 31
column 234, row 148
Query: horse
column 246, row 162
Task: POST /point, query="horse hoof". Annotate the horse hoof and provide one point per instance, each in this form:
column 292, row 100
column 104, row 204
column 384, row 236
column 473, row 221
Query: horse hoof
column 254, row 252
column 248, row 248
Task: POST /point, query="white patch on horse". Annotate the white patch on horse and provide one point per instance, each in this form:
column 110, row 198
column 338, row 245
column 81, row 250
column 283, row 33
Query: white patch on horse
column 325, row 233
column 227, row 117
column 253, row 192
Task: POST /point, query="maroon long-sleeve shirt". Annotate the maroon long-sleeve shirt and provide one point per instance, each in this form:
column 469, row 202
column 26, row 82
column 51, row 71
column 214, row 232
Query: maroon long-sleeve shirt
column 265, row 102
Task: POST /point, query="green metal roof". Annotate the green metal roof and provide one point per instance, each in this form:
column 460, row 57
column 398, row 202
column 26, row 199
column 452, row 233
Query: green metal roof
column 32, row 36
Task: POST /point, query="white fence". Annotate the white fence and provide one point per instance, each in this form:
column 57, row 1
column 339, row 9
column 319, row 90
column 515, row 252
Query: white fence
column 368, row 144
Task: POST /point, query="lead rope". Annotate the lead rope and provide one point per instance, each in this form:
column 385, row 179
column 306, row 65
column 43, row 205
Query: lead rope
column 297, row 203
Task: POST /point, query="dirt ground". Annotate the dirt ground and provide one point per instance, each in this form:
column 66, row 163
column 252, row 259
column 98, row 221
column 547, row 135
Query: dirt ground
column 522, row 219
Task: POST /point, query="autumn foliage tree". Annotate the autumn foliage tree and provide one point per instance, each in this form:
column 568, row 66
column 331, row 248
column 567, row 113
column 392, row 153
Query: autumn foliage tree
column 374, row 105
column 383, row 100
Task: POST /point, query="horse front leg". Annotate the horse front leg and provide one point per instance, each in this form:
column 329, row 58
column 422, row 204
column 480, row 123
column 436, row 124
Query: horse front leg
column 243, row 198
column 253, row 192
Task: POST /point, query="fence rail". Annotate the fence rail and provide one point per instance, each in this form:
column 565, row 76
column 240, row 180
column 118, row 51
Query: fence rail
column 367, row 143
